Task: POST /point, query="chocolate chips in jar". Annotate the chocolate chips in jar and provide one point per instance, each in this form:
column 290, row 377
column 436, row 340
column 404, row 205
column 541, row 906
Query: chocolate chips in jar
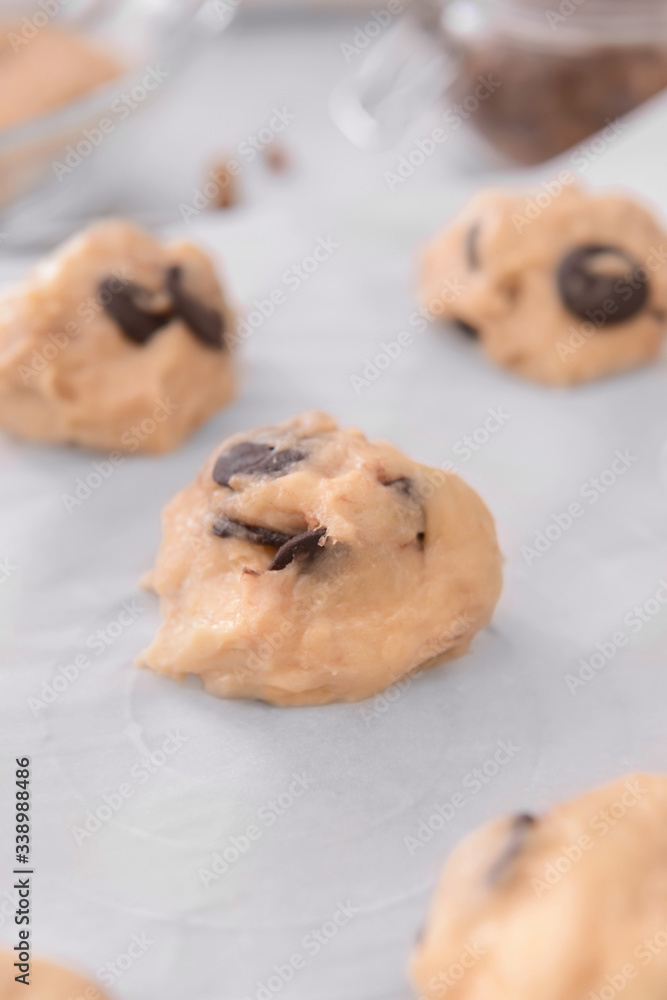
column 556, row 79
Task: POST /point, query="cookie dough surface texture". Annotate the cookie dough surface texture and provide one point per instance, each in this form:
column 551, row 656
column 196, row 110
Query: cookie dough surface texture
column 568, row 906
column 47, row 982
column 306, row 564
column 571, row 291
column 117, row 342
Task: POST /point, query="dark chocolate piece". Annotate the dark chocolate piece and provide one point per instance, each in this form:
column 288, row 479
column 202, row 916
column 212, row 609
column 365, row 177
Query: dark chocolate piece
column 472, row 246
column 592, row 294
column 516, row 839
column 466, row 328
column 137, row 324
column 254, row 459
column 225, row 527
column 206, row 324
column 403, row 484
column 305, row 544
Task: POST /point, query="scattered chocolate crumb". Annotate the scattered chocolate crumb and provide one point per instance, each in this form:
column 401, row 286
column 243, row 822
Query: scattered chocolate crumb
column 277, row 157
column 226, row 179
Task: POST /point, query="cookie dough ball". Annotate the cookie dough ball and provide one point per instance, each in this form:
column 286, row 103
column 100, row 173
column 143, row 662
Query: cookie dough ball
column 117, row 342
column 46, row 69
column 306, row 564
column 47, row 982
column 571, row 291
column 569, row 905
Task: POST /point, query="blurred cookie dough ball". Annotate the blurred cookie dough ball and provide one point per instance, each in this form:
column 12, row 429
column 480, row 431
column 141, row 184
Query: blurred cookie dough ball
column 569, row 904
column 306, row 564
column 560, row 288
column 46, row 982
column 43, row 67
column 116, row 341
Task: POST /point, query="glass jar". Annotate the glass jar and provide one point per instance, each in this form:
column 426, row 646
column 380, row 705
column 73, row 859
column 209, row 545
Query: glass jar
column 556, row 71
column 564, row 69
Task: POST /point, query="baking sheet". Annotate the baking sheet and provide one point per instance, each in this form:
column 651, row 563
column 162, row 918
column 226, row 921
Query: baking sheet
column 337, row 817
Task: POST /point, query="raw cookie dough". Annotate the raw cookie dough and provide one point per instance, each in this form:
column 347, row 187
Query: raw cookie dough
column 47, row 982
column 571, row 291
column 47, row 70
column 115, row 342
column 571, row 905
column 306, row 564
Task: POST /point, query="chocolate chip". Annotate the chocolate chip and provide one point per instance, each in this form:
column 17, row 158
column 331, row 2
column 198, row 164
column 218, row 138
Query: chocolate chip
column 466, row 329
column 403, row 484
column 254, row 459
column 120, row 304
column 472, row 246
column 225, row 527
column 206, row 324
column 305, row 544
column 516, row 839
column 585, row 289
column 279, row 461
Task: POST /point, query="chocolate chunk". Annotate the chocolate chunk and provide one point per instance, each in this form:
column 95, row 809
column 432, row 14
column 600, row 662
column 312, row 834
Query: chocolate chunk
column 472, row 246
column 466, row 329
column 241, row 458
column 120, row 304
column 206, row 324
column 585, row 288
column 225, row 527
column 279, row 461
column 516, row 839
column 305, row 544
column 254, row 459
